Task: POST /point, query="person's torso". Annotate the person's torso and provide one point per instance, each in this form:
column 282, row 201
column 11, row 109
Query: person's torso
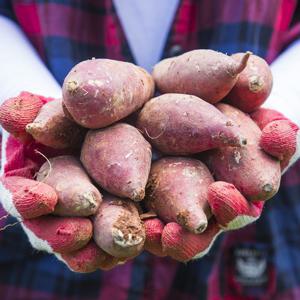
column 66, row 32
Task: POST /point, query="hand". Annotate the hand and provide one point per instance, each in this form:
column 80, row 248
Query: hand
column 229, row 207
column 280, row 136
column 32, row 202
column 230, row 211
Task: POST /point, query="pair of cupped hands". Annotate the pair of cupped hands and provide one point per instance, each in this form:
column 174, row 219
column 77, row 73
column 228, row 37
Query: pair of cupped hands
column 30, row 202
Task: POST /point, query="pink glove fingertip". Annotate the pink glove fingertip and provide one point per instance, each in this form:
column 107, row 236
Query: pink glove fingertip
column 25, row 198
column 183, row 245
column 154, row 228
column 88, row 259
column 230, row 207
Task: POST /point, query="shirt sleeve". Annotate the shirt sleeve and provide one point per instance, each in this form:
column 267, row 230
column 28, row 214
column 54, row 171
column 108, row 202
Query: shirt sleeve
column 285, row 95
column 6, row 8
column 21, row 67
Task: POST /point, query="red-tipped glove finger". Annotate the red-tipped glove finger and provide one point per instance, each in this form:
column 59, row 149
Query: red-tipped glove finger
column 26, row 198
column 88, row 259
column 231, row 211
column 17, row 112
column 230, row 208
column 183, row 245
column 58, row 234
column 153, row 229
column 280, row 136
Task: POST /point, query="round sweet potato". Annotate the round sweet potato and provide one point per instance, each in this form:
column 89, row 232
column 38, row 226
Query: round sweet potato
column 118, row 158
column 253, row 86
column 99, row 92
column 118, row 229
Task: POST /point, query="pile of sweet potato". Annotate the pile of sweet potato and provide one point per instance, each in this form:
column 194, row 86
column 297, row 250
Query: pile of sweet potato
column 128, row 155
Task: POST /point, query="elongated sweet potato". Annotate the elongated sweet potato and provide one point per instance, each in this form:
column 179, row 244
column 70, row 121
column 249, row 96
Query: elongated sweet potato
column 99, row 92
column 118, row 158
column 253, row 86
column 207, row 74
column 177, row 192
column 52, row 128
column 182, row 124
column 253, row 172
column 118, row 229
column 77, row 196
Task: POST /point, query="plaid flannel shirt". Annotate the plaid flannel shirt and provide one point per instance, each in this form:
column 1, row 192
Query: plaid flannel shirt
column 261, row 261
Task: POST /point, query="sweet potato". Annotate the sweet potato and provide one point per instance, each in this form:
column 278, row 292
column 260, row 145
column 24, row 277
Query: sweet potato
column 77, row 196
column 253, row 172
column 52, row 128
column 17, row 112
column 118, row 229
column 207, row 74
column 177, row 192
column 56, row 234
column 182, row 124
column 99, row 92
column 253, row 86
column 118, row 158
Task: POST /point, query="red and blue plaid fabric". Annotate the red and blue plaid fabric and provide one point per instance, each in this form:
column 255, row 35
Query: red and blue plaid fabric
column 261, row 261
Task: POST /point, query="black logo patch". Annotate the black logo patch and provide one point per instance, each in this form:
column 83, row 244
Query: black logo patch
column 251, row 265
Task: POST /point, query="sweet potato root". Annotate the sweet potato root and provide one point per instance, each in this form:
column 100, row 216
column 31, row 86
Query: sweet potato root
column 253, row 86
column 177, row 192
column 122, row 157
column 180, row 124
column 118, row 229
column 253, row 172
column 207, row 74
column 52, row 128
column 77, row 196
column 99, row 92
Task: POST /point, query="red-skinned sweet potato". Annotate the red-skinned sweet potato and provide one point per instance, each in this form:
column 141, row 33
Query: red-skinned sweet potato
column 118, row 229
column 177, row 192
column 207, row 74
column 123, row 159
column 77, row 196
column 52, row 128
column 180, row 124
column 253, row 172
column 253, row 86
column 99, row 92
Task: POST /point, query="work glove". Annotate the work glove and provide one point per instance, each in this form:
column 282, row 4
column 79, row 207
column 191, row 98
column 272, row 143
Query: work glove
column 230, row 209
column 32, row 203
